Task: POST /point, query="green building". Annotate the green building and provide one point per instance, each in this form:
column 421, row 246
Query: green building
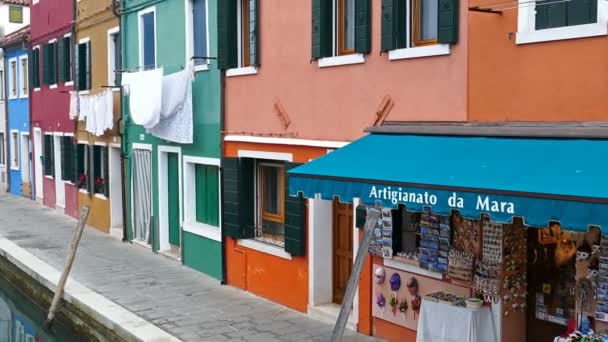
column 173, row 190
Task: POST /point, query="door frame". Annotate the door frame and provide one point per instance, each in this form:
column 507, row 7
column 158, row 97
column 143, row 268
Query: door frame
column 27, row 163
column 144, row 147
column 163, row 198
column 335, row 203
column 115, row 187
column 59, row 182
column 38, row 176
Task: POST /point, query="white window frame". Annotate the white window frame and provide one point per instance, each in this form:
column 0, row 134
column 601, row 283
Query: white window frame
column 337, row 60
column 12, row 83
column 22, row 77
column 15, row 142
column 240, row 70
column 71, row 58
column 112, row 57
column 37, row 49
column 527, row 32
column 189, row 189
column 140, row 33
column 190, row 34
column 258, row 194
column 416, row 51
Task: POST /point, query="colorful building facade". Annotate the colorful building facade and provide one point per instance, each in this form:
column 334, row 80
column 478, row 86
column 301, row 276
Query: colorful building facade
column 98, row 150
column 15, row 47
column 52, row 80
column 182, row 217
column 287, row 104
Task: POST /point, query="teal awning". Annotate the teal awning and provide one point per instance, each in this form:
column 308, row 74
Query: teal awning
column 538, row 179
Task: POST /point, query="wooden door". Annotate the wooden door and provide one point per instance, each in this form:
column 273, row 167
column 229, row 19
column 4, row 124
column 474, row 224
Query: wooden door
column 342, row 248
column 173, row 201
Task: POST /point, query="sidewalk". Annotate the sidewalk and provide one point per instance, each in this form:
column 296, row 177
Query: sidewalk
column 185, row 303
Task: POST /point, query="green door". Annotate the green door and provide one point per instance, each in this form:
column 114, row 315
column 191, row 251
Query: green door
column 173, row 202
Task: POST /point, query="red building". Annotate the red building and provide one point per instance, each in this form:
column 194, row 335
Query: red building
column 51, row 71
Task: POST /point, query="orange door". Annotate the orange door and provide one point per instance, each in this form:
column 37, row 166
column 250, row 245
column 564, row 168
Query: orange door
column 343, row 248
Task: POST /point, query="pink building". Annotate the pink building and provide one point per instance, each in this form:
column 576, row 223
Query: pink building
column 51, row 70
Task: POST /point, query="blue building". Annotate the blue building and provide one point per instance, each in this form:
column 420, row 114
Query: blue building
column 17, row 79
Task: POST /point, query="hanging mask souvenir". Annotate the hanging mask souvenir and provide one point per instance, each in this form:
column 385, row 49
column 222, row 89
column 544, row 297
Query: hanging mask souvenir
column 380, row 300
column 583, row 252
column 379, row 275
column 412, row 286
column 416, row 303
column 403, row 306
column 395, row 282
column 565, row 250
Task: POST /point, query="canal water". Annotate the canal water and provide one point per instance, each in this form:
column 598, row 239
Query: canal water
column 20, row 319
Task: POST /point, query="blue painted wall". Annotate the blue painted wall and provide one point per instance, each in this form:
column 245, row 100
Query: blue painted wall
column 18, row 117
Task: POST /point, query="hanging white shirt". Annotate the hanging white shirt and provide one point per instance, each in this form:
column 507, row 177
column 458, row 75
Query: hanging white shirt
column 145, row 92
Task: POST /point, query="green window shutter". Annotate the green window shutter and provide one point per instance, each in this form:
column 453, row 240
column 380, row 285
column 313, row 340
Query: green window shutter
column 207, row 195
column 551, row 14
column 254, row 29
column 60, row 65
column 237, row 198
column 295, row 220
column 45, row 67
column 62, row 147
column 49, row 164
column 321, row 28
column 67, row 159
column 363, row 26
column 67, row 57
column 82, row 67
column 30, row 72
column 90, row 168
column 88, row 65
column 388, row 25
column 227, row 48
column 106, row 172
column 447, row 30
column 581, row 12
column 79, row 161
column 53, row 63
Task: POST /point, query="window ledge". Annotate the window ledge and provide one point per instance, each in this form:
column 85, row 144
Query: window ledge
column 241, row 71
column 53, row 86
column 36, row 89
column 23, row 96
column 205, row 67
column 412, row 268
column 265, row 248
column 562, row 33
column 84, row 92
column 205, row 230
column 70, row 83
column 101, row 196
column 49, row 177
column 420, row 51
column 355, row 58
column 15, row 168
column 83, row 191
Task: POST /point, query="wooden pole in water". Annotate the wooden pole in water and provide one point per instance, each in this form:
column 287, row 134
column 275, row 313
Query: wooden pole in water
column 347, row 303
column 84, row 215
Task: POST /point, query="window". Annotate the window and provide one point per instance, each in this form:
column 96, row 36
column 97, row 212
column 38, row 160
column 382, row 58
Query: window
column 100, row 170
column 67, row 159
column 2, row 80
column 416, row 23
column 199, row 31
column 65, row 59
column 84, row 65
column 14, row 150
column 49, row 156
column 345, row 22
column 238, row 34
column 2, row 159
column 207, row 194
column 13, row 79
column 270, row 190
column 550, row 14
column 35, row 67
column 82, row 166
column 114, row 57
column 49, row 55
column 15, row 14
column 147, row 39
column 23, row 77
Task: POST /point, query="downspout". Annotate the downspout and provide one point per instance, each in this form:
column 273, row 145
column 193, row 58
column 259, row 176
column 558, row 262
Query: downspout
column 221, row 142
column 122, row 127
column 74, row 88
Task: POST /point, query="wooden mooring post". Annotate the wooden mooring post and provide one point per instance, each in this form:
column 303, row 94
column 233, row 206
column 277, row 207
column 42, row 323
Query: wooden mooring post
column 347, row 304
column 82, row 220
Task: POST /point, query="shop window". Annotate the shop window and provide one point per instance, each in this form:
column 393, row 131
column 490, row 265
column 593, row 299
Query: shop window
column 15, row 14
column 12, row 79
column 14, row 150
column 270, row 191
column 147, row 38
column 551, row 14
column 34, row 72
column 23, row 77
column 82, row 166
column 49, row 156
column 238, row 33
column 84, row 65
column 49, row 63
column 207, row 195
column 100, row 170
column 67, row 159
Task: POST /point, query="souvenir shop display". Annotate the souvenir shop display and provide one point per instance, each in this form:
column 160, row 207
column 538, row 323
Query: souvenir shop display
column 375, row 244
column 460, row 265
column 515, row 254
column 467, row 234
column 602, row 281
column 395, row 282
column 381, row 243
column 435, row 241
column 486, row 281
column 410, row 228
column 446, row 298
column 379, row 275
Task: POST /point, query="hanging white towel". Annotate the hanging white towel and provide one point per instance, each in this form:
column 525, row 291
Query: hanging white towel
column 145, row 91
column 73, row 114
column 176, row 122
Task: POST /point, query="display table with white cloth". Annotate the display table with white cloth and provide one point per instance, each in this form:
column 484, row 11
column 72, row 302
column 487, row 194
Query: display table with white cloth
column 448, row 323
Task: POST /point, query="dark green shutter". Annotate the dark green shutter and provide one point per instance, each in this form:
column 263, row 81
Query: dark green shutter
column 106, row 172
column 52, row 63
column 91, row 169
column 207, row 197
column 388, row 25
column 82, row 66
column 31, row 62
column 45, row 64
column 67, row 53
column 62, row 147
column 238, row 198
column 49, row 164
column 77, row 67
column 363, row 26
column 549, row 14
column 581, row 12
column 447, row 30
column 60, row 64
column 88, row 65
column 79, row 166
column 67, row 159
column 254, row 30
column 295, row 219
column 321, row 28
column 227, row 48
column 35, row 68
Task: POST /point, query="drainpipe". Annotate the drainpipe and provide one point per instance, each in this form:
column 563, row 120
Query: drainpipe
column 221, row 142
column 122, row 132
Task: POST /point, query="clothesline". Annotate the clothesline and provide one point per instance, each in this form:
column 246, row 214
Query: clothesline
column 181, row 66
